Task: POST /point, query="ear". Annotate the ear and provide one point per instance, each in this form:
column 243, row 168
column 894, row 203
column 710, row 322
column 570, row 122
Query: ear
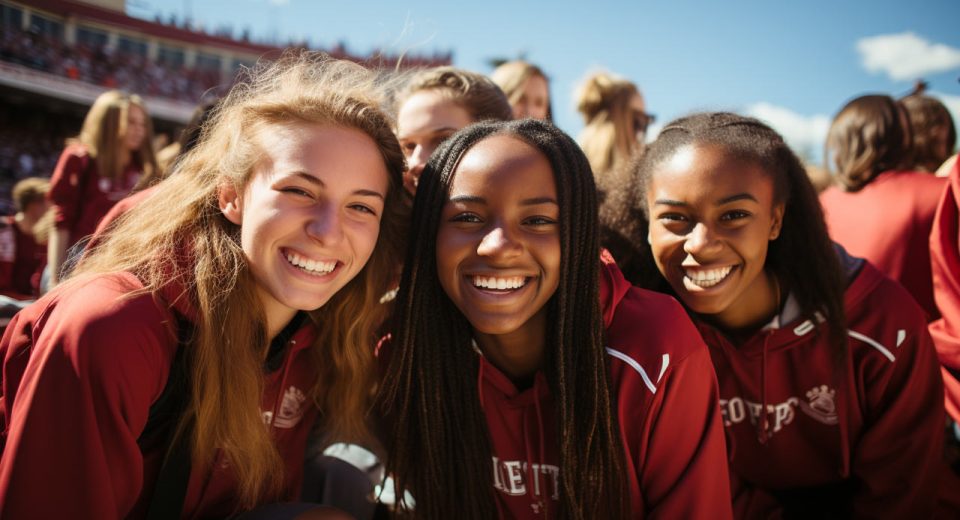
column 231, row 203
column 777, row 221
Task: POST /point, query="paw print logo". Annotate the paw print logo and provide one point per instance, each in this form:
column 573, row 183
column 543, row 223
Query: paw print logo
column 821, row 399
column 821, row 404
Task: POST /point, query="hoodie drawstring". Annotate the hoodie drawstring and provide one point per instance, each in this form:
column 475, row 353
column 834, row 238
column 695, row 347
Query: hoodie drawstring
column 542, row 441
column 763, row 425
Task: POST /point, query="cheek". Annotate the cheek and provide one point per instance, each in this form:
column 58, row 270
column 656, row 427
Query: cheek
column 364, row 238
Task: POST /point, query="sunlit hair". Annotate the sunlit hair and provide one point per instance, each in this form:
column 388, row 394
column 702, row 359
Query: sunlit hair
column 476, row 93
column 802, row 258
column 179, row 236
column 869, row 136
column 609, row 136
column 29, row 191
column 438, row 440
column 103, row 133
column 512, row 76
column 934, row 134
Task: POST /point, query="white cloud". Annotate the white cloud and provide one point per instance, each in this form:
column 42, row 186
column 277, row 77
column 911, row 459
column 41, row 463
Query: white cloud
column 906, row 56
column 279, row 2
column 805, row 134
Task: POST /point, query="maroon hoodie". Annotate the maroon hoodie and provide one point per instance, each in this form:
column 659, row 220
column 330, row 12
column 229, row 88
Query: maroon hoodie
column 945, row 256
column 859, row 438
column 81, row 368
column 666, row 398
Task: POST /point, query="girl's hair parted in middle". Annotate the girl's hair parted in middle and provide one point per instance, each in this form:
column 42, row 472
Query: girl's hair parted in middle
column 439, row 445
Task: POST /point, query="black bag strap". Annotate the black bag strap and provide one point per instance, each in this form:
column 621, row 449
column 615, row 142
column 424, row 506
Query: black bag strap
column 170, row 489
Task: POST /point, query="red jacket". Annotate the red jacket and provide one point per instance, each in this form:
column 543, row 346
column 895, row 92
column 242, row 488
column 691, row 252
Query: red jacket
column 945, row 258
column 81, row 368
column 888, row 222
column 22, row 261
column 666, row 397
column 863, row 440
column 80, row 196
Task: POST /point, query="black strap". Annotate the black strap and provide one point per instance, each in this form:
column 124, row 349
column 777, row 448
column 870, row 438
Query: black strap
column 170, row 489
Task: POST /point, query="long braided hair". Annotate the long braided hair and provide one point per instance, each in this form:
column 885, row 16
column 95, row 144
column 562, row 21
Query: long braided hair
column 439, row 445
column 803, row 258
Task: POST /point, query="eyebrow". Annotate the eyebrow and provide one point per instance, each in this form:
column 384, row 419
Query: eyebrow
column 525, row 202
column 721, row 202
column 319, row 183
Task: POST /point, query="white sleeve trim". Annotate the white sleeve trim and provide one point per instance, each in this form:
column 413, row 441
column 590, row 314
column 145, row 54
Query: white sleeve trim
column 636, row 366
column 873, row 343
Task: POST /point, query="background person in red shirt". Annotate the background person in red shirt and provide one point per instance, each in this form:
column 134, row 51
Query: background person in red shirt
column 22, row 255
column 878, row 208
column 111, row 157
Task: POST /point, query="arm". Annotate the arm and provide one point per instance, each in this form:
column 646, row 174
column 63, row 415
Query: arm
column 65, row 194
column 898, row 456
column 75, row 399
column 685, row 472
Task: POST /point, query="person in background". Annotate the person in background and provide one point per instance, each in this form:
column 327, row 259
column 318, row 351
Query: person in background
column 22, row 255
column 876, row 208
column 615, row 118
column 110, row 158
column 510, row 391
column 829, row 382
column 436, row 103
column 527, row 88
column 932, row 130
column 180, row 369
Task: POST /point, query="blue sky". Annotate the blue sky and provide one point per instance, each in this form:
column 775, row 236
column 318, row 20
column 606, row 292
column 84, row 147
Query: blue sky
column 792, row 63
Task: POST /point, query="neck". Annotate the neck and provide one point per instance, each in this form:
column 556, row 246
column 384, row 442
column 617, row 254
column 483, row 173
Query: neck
column 518, row 354
column 755, row 307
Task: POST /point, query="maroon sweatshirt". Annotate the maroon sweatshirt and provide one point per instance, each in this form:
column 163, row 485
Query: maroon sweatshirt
column 859, row 438
column 80, row 196
column 666, row 398
column 81, row 368
column 888, row 222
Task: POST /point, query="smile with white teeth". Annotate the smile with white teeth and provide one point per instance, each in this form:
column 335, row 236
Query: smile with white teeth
column 707, row 277
column 500, row 284
column 313, row 267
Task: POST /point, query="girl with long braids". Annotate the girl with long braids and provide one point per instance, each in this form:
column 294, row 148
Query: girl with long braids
column 509, row 391
column 829, row 383
column 181, row 367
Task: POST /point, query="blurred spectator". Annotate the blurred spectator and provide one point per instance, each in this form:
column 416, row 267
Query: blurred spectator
column 933, row 132
column 111, row 157
column 527, row 88
column 22, row 255
column 616, row 122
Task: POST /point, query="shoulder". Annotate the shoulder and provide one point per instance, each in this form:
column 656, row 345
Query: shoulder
column 650, row 333
column 100, row 318
column 882, row 315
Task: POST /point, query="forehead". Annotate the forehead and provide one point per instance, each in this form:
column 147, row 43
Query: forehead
column 504, row 166
column 708, row 172
column 320, row 149
column 430, row 110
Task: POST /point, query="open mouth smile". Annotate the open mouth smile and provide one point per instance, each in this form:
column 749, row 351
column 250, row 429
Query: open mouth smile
column 309, row 266
column 706, row 278
column 499, row 284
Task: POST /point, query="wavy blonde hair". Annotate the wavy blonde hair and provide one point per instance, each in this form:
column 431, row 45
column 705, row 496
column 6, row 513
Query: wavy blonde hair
column 608, row 139
column 179, row 236
column 103, row 130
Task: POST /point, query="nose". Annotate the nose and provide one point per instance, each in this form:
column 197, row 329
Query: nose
column 326, row 225
column 415, row 163
column 499, row 243
column 701, row 240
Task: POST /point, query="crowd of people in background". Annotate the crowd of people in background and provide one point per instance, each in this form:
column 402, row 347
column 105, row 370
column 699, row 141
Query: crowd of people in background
column 510, row 322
